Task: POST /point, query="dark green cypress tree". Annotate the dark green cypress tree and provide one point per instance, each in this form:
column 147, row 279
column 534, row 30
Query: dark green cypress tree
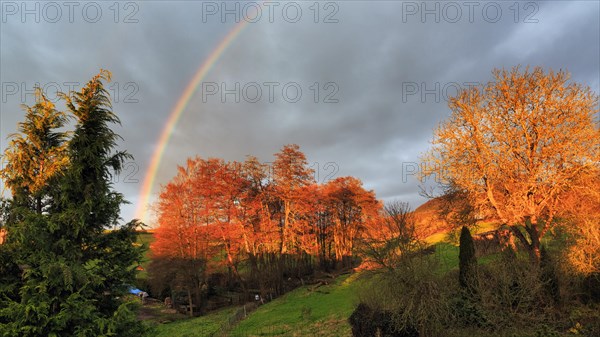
column 74, row 269
column 467, row 261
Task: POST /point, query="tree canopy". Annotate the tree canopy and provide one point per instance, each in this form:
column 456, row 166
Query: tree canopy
column 517, row 146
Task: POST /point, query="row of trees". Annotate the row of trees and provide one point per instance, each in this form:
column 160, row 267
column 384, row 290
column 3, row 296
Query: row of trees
column 61, row 272
column 216, row 213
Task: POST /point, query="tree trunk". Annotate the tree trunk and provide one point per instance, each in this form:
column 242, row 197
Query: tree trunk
column 534, row 249
column 533, row 246
column 191, row 303
column 284, row 234
column 236, row 273
column 38, row 205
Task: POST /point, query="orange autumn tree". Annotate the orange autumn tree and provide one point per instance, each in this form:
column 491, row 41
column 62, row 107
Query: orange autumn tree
column 260, row 234
column 291, row 175
column 182, row 246
column 517, row 147
column 222, row 186
column 182, row 218
column 211, row 214
column 199, row 212
column 350, row 207
column 583, row 224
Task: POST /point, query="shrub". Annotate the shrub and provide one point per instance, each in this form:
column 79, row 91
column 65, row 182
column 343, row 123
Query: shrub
column 367, row 322
column 591, row 288
column 511, row 293
column 361, row 321
column 416, row 298
column 548, row 276
column 467, row 312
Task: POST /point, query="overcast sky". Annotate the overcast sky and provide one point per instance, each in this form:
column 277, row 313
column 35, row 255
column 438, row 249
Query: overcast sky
column 383, row 69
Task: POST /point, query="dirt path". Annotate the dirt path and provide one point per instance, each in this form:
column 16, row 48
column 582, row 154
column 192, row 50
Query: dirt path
column 154, row 310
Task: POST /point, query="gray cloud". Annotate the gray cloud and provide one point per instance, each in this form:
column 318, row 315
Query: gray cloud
column 370, row 55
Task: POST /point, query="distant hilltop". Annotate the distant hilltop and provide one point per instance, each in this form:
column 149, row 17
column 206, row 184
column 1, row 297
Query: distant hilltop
column 428, row 219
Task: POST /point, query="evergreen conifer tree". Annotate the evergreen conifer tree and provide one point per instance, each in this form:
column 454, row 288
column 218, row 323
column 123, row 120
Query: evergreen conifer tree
column 467, row 260
column 74, row 269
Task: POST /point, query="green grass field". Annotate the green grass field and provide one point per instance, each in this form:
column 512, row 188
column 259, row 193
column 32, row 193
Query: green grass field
column 323, row 311
column 196, row 327
column 145, row 239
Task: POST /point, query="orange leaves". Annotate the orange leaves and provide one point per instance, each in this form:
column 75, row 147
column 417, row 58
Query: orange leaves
column 352, row 208
column 519, row 145
column 224, row 211
column 291, row 176
column 198, row 208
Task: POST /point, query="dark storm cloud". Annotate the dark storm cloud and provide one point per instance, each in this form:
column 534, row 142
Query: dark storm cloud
column 372, row 55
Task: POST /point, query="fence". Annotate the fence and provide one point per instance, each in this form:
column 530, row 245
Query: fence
column 239, row 315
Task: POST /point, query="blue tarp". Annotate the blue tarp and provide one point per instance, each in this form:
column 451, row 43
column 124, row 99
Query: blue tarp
column 135, row 291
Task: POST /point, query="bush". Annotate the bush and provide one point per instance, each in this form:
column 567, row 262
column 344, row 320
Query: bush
column 415, row 298
column 511, row 293
column 467, row 312
column 367, row 322
column 548, row 276
column 591, row 288
column 361, row 321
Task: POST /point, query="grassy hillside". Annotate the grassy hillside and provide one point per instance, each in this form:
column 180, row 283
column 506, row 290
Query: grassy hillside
column 306, row 311
column 145, row 239
column 428, row 221
column 196, row 327
column 324, row 311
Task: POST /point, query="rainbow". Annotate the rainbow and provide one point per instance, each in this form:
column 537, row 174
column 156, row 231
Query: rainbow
column 146, row 188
